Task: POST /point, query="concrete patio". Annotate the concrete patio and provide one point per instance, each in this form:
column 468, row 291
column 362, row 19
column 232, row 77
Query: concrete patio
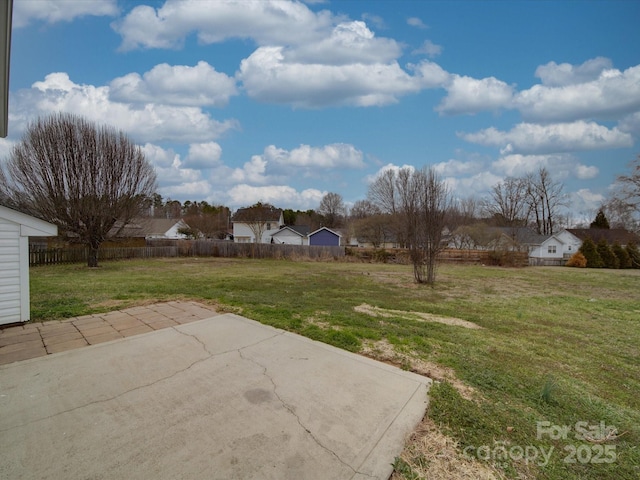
column 222, row 397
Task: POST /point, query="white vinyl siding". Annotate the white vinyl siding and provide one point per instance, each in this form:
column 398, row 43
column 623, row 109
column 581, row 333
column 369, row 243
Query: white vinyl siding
column 10, row 267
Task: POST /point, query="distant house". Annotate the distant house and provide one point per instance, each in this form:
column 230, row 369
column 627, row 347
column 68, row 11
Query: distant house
column 291, row 235
column 252, row 222
column 558, row 248
column 153, row 228
column 15, row 230
column 324, row 237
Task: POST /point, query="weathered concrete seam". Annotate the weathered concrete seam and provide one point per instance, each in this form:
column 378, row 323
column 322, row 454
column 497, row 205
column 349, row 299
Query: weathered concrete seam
column 289, row 409
column 134, row 389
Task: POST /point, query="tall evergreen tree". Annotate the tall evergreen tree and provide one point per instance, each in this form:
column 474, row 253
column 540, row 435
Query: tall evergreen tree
column 588, row 249
column 609, row 260
column 600, row 221
column 624, row 260
column 634, row 255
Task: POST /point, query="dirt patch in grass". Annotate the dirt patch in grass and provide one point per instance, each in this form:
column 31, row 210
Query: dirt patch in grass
column 420, row 316
column 431, row 454
column 383, row 351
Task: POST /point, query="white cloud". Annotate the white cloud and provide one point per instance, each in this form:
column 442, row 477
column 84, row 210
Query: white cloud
column 586, row 172
column 562, row 165
column 268, row 22
column 429, row 49
column 6, row 146
column 631, row 124
column 471, row 95
column 475, row 185
column 253, row 171
column 389, row 166
column 416, row 22
column 176, row 85
column 203, row 155
column 554, row 75
column 283, row 196
column 268, row 77
column 145, row 123
column 337, row 155
column 584, row 200
column 348, row 43
column 456, row 167
column 611, row 95
column 375, row 20
column 430, row 74
column 25, row 12
column 160, row 157
column 528, row 138
column 173, row 176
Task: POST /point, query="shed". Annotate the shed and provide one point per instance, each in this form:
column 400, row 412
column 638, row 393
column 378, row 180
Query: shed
column 291, row 235
column 15, row 230
column 324, row 237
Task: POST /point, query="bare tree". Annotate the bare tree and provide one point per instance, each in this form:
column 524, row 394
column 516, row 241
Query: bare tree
column 508, row 203
column 621, row 213
column 382, row 191
column 208, row 221
column 420, row 201
column 90, row 180
column 435, row 201
column 373, row 229
column 333, row 210
column 363, row 209
column 259, row 217
column 631, row 184
column 544, row 198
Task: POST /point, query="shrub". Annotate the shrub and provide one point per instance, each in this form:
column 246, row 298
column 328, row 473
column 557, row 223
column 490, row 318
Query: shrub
column 634, row 255
column 577, row 260
column 624, row 260
column 609, row 260
column 588, row 249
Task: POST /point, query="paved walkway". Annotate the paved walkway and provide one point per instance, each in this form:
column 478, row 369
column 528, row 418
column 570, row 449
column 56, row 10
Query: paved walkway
column 43, row 338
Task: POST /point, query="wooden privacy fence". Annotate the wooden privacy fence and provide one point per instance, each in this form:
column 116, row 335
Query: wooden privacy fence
column 184, row 248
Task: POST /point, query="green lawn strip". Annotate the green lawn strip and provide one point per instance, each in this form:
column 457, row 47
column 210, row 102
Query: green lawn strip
column 556, row 344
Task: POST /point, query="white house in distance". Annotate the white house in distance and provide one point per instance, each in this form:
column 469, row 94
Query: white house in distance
column 559, row 247
column 15, row 230
column 249, row 222
column 555, row 250
column 154, row 228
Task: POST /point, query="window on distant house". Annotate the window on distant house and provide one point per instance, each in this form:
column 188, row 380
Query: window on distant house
column 268, row 226
column 552, row 249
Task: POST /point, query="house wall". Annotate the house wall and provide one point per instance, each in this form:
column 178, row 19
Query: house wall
column 571, row 243
column 324, row 238
column 10, row 268
column 550, row 248
column 15, row 229
column 173, row 232
column 243, row 234
column 288, row 237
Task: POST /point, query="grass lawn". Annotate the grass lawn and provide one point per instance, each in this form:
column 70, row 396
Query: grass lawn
column 556, row 345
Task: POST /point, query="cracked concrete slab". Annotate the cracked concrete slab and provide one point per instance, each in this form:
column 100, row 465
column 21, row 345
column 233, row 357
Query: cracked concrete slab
column 221, row 398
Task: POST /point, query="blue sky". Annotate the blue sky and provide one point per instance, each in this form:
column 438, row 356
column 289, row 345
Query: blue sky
column 281, row 101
